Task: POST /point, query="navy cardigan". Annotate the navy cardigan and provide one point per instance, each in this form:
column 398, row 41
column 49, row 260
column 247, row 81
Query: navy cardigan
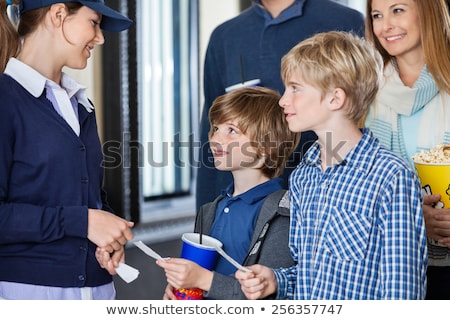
column 49, row 177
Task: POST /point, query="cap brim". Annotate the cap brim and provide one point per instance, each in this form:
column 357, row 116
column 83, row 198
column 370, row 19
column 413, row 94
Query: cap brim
column 111, row 19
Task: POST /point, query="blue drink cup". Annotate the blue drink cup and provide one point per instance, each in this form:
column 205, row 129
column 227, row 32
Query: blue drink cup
column 204, row 254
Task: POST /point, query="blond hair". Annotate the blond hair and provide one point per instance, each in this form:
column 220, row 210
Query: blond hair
column 256, row 112
column 337, row 59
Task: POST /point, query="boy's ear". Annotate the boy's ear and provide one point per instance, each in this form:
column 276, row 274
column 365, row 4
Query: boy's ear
column 336, row 98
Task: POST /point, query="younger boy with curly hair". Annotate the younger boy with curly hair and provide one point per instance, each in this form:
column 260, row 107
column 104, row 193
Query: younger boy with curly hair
column 250, row 138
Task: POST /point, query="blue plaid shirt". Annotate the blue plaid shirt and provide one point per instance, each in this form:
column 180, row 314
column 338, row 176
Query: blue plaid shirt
column 357, row 229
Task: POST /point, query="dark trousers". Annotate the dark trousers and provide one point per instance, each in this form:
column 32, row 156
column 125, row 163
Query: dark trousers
column 438, row 283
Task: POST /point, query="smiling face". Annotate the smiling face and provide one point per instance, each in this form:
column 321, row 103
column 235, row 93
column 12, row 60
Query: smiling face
column 82, row 33
column 396, row 26
column 232, row 149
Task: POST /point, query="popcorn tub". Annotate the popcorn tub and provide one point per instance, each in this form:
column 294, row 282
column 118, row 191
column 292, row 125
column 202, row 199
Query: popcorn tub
column 433, row 169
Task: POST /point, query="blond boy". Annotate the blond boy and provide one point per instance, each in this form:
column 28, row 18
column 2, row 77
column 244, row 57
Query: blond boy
column 357, row 230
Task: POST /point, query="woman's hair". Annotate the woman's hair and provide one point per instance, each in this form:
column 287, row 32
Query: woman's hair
column 256, row 112
column 10, row 35
column 434, row 20
column 337, row 59
column 9, row 38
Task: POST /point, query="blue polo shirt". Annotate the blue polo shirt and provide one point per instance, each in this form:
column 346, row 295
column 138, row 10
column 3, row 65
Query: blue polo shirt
column 235, row 221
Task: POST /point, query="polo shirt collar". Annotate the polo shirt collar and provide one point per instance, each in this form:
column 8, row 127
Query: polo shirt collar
column 255, row 194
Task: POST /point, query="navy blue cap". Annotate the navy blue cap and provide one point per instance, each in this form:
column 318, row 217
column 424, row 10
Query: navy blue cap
column 111, row 19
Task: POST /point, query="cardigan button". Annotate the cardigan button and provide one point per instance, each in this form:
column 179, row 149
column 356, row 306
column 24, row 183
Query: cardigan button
column 85, row 181
column 82, row 148
column 81, row 277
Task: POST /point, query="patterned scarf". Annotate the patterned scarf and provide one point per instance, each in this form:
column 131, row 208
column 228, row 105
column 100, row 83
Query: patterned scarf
column 395, row 99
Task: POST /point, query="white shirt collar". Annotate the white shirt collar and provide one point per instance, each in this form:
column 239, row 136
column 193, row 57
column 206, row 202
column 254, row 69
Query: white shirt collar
column 34, row 82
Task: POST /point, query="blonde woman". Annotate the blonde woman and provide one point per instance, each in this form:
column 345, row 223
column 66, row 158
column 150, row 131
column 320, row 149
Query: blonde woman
column 412, row 109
